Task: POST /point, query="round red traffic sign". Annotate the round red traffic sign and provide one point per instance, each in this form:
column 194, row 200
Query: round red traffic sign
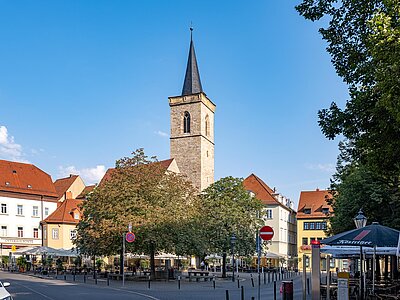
column 266, row 233
column 130, row 237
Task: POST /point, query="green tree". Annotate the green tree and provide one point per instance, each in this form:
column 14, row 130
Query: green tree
column 159, row 204
column 227, row 208
column 364, row 42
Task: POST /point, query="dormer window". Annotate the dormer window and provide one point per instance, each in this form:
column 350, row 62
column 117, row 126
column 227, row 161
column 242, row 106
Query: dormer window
column 325, row 210
column 76, row 215
column 29, row 186
column 307, row 211
column 7, row 183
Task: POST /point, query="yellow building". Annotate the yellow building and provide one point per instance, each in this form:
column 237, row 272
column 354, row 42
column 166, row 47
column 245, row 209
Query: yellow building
column 59, row 229
column 312, row 220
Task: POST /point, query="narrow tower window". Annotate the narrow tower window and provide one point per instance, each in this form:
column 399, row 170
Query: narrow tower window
column 186, row 122
column 207, row 121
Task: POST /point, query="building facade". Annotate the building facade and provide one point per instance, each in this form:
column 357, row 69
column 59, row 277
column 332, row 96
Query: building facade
column 312, row 220
column 279, row 214
column 192, row 128
column 27, row 196
column 59, row 229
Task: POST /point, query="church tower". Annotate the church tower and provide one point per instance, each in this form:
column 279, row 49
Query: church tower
column 192, row 127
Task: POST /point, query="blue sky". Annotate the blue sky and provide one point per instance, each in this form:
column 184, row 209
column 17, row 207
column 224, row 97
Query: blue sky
column 83, row 83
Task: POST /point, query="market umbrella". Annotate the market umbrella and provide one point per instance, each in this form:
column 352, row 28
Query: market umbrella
column 374, row 235
column 41, row 250
column 368, row 236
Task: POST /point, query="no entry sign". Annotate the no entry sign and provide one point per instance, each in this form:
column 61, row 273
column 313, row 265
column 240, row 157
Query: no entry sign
column 266, row 233
column 130, row 237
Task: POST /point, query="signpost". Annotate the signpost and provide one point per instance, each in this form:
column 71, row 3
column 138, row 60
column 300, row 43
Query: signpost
column 266, row 234
column 130, row 238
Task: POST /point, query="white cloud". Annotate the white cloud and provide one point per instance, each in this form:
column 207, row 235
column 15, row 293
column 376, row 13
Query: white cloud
column 89, row 175
column 8, row 148
column 161, row 133
column 329, row 168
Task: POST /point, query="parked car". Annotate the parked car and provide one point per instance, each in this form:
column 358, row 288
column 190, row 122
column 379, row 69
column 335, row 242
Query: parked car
column 4, row 294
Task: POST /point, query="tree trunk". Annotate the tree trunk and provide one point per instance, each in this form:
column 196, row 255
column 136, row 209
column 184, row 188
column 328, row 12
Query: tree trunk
column 152, row 261
column 224, row 265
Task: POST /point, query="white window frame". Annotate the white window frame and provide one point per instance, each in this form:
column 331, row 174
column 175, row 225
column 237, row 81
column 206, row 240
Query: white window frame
column 35, row 211
column 20, row 210
column 3, row 208
column 3, row 231
column 20, row 232
column 72, row 234
column 46, row 211
column 37, row 231
column 55, row 234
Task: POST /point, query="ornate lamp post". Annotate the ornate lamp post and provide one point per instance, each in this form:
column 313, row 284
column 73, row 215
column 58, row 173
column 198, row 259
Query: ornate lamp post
column 233, row 242
column 360, row 220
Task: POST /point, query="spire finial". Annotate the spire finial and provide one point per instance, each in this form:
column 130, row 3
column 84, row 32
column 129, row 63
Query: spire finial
column 191, row 31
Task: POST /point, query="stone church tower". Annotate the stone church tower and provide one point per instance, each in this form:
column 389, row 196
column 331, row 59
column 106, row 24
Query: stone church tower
column 192, row 127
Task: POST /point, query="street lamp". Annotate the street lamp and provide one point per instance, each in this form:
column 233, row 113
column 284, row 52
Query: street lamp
column 233, row 241
column 360, row 220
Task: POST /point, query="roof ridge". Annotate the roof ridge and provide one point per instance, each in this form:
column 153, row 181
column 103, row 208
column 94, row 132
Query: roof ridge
column 262, row 184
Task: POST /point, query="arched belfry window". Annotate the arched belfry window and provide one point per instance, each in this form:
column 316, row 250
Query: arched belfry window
column 207, row 121
column 186, row 122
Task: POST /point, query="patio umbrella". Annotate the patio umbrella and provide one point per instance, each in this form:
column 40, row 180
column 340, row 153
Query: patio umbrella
column 374, row 235
column 41, row 250
column 368, row 236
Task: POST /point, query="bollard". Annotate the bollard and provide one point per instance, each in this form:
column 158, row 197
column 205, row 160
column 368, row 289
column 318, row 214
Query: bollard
column 242, row 293
column 214, row 282
column 252, row 298
column 226, row 295
column 149, row 283
column 179, row 282
column 308, row 286
column 65, row 276
column 274, row 290
column 265, row 278
column 252, row 282
column 269, row 277
column 108, row 279
column 95, row 280
column 56, row 273
column 73, row 278
column 279, row 276
column 238, row 282
column 84, row 277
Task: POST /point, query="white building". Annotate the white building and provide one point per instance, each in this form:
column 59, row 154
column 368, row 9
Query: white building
column 281, row 216
column 27, row 196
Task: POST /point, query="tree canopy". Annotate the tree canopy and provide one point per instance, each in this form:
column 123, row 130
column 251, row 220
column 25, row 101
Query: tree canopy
column 363, row 39
column 227, row 209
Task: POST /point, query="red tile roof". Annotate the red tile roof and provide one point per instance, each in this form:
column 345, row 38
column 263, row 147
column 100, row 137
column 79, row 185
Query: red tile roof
column 262, row 191
column 315, row 201
column 25, row 178
column 63, row 184
column 86, row 191
column 64, row 214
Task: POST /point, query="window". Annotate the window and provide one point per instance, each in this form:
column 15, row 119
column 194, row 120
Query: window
column 325, row 210
column 323, row 225
column 54, row 233
column 20, row 210
column 20, row 232
column 3, row 230
column 318, row 225
column 35, row 233
column 35, row 211
column 312, row 225
column 76, row 215
column 207, row 121
column 304, row 241
column 268, row 214
column 45, row 233
column 307, row 211
column 3, row 208
column 72, row 234
column 46, row 211
column 186, row 122
column 306, row 226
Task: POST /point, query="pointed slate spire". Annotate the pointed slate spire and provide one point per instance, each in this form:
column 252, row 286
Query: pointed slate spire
column 192, row 83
